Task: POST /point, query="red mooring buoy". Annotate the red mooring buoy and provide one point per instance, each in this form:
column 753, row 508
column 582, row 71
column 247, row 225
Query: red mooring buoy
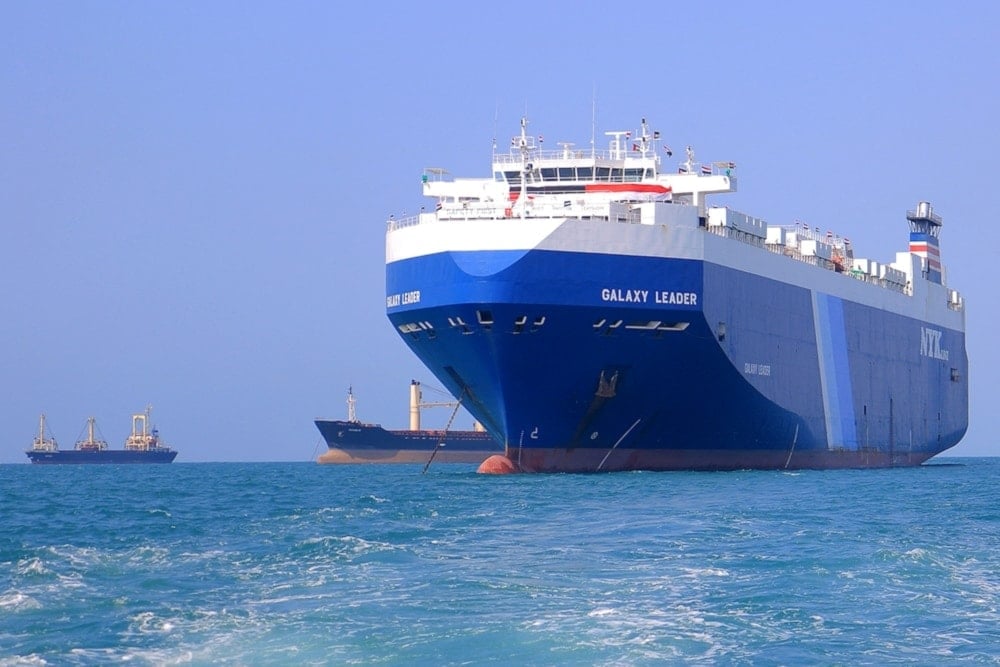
column 498, row 464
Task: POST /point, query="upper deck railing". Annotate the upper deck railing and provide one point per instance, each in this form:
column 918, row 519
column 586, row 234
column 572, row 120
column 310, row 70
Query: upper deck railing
column 586, row 154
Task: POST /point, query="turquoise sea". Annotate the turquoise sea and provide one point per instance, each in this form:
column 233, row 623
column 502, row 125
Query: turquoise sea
column 297, row 563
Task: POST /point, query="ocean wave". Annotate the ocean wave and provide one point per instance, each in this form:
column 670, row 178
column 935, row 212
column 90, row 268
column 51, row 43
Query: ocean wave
column 14, row 601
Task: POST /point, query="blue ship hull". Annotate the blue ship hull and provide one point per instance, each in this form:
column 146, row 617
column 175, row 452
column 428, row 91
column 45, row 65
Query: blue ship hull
column 114, row 456
column 355, row 442
column 584, row 361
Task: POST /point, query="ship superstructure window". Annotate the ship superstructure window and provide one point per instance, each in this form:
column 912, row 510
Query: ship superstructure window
column 567, row 174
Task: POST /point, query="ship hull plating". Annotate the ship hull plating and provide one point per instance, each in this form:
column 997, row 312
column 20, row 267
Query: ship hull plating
column 101, row 457
column 591, row 361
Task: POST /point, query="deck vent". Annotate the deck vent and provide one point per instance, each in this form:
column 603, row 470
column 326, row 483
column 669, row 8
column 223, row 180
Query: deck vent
column 644, row 326
column 459, row 323
column 485, row 318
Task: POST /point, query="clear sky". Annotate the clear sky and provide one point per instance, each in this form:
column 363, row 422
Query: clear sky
column 193, row 195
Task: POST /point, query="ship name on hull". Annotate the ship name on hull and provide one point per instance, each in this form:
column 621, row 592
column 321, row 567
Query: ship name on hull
column 619, row 295
column 403, row 298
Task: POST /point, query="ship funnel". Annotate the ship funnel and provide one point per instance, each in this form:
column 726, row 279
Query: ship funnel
column 925, row 226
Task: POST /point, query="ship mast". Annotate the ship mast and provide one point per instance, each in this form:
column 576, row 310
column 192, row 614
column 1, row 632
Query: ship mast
column 525, row 170
column 351, row 401
column 41, row 443
column 415, row 396
column 91, row 442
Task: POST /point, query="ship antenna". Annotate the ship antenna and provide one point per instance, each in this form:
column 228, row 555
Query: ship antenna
column 351, row 416
column 593, row 123
column 496, row 114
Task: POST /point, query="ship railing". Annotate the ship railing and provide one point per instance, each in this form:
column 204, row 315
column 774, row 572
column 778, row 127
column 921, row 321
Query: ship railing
column 533, row 210
column 515, row 157
column 813, row 260
column 917, row 214
column 737, row 234
column 569, row 208
column 405, row 221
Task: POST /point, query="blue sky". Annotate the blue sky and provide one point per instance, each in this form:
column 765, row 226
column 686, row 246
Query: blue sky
column 193, row 195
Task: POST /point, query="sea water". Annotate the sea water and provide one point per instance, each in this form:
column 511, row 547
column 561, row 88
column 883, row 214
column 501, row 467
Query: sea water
column 297, row 563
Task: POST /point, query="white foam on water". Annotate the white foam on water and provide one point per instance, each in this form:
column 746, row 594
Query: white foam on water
column 19, row 660
column 705, row 572
column 14, row 601
column 28, row 566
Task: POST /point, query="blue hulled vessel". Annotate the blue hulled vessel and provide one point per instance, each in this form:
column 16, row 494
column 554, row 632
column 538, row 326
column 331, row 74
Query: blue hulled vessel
column 142, row 446
column 594, row 312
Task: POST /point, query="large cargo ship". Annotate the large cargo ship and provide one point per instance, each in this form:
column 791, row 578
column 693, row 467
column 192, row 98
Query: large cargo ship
column 594, row 312
column 142, row 446
column 353, row 441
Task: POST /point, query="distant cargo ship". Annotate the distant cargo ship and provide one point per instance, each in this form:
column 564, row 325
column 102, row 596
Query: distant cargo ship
column 352, row 441
column 596, row 313
column 142, row 446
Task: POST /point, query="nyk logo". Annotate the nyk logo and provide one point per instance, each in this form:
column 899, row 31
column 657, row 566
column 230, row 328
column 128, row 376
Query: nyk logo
column 930, row 344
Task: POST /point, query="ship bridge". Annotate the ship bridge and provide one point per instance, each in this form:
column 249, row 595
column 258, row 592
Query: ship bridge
column 629, row 170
